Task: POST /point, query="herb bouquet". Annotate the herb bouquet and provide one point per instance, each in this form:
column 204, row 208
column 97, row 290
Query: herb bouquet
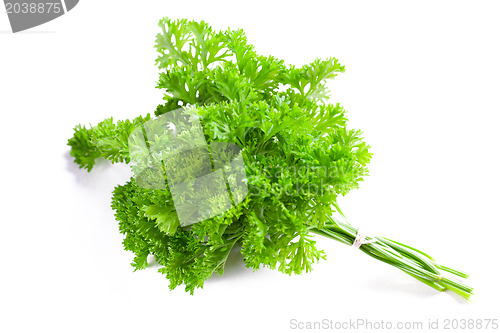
column 296, row 152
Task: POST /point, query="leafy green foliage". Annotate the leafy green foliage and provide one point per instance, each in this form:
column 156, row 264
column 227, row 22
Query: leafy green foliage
column 298, row 153
column 107, row 140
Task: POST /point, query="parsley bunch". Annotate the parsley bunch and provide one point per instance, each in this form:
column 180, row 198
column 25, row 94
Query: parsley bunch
column 299, row 157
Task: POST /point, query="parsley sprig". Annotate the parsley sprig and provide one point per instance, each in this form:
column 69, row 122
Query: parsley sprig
column 299, row 157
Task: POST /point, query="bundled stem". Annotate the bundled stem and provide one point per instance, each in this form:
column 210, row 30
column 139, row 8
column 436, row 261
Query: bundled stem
column 408, row 259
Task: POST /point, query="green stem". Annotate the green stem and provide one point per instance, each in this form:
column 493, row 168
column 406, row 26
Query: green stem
column 406, row 258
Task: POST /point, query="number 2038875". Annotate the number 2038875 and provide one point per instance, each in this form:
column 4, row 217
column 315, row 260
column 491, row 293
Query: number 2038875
column 33, row 8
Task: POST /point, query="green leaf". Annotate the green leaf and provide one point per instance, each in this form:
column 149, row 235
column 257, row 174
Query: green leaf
column 166, row 218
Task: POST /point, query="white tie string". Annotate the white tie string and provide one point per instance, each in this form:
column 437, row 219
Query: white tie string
column 361, row 239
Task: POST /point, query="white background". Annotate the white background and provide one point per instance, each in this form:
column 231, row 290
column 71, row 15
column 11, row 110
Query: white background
column 422, row 81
